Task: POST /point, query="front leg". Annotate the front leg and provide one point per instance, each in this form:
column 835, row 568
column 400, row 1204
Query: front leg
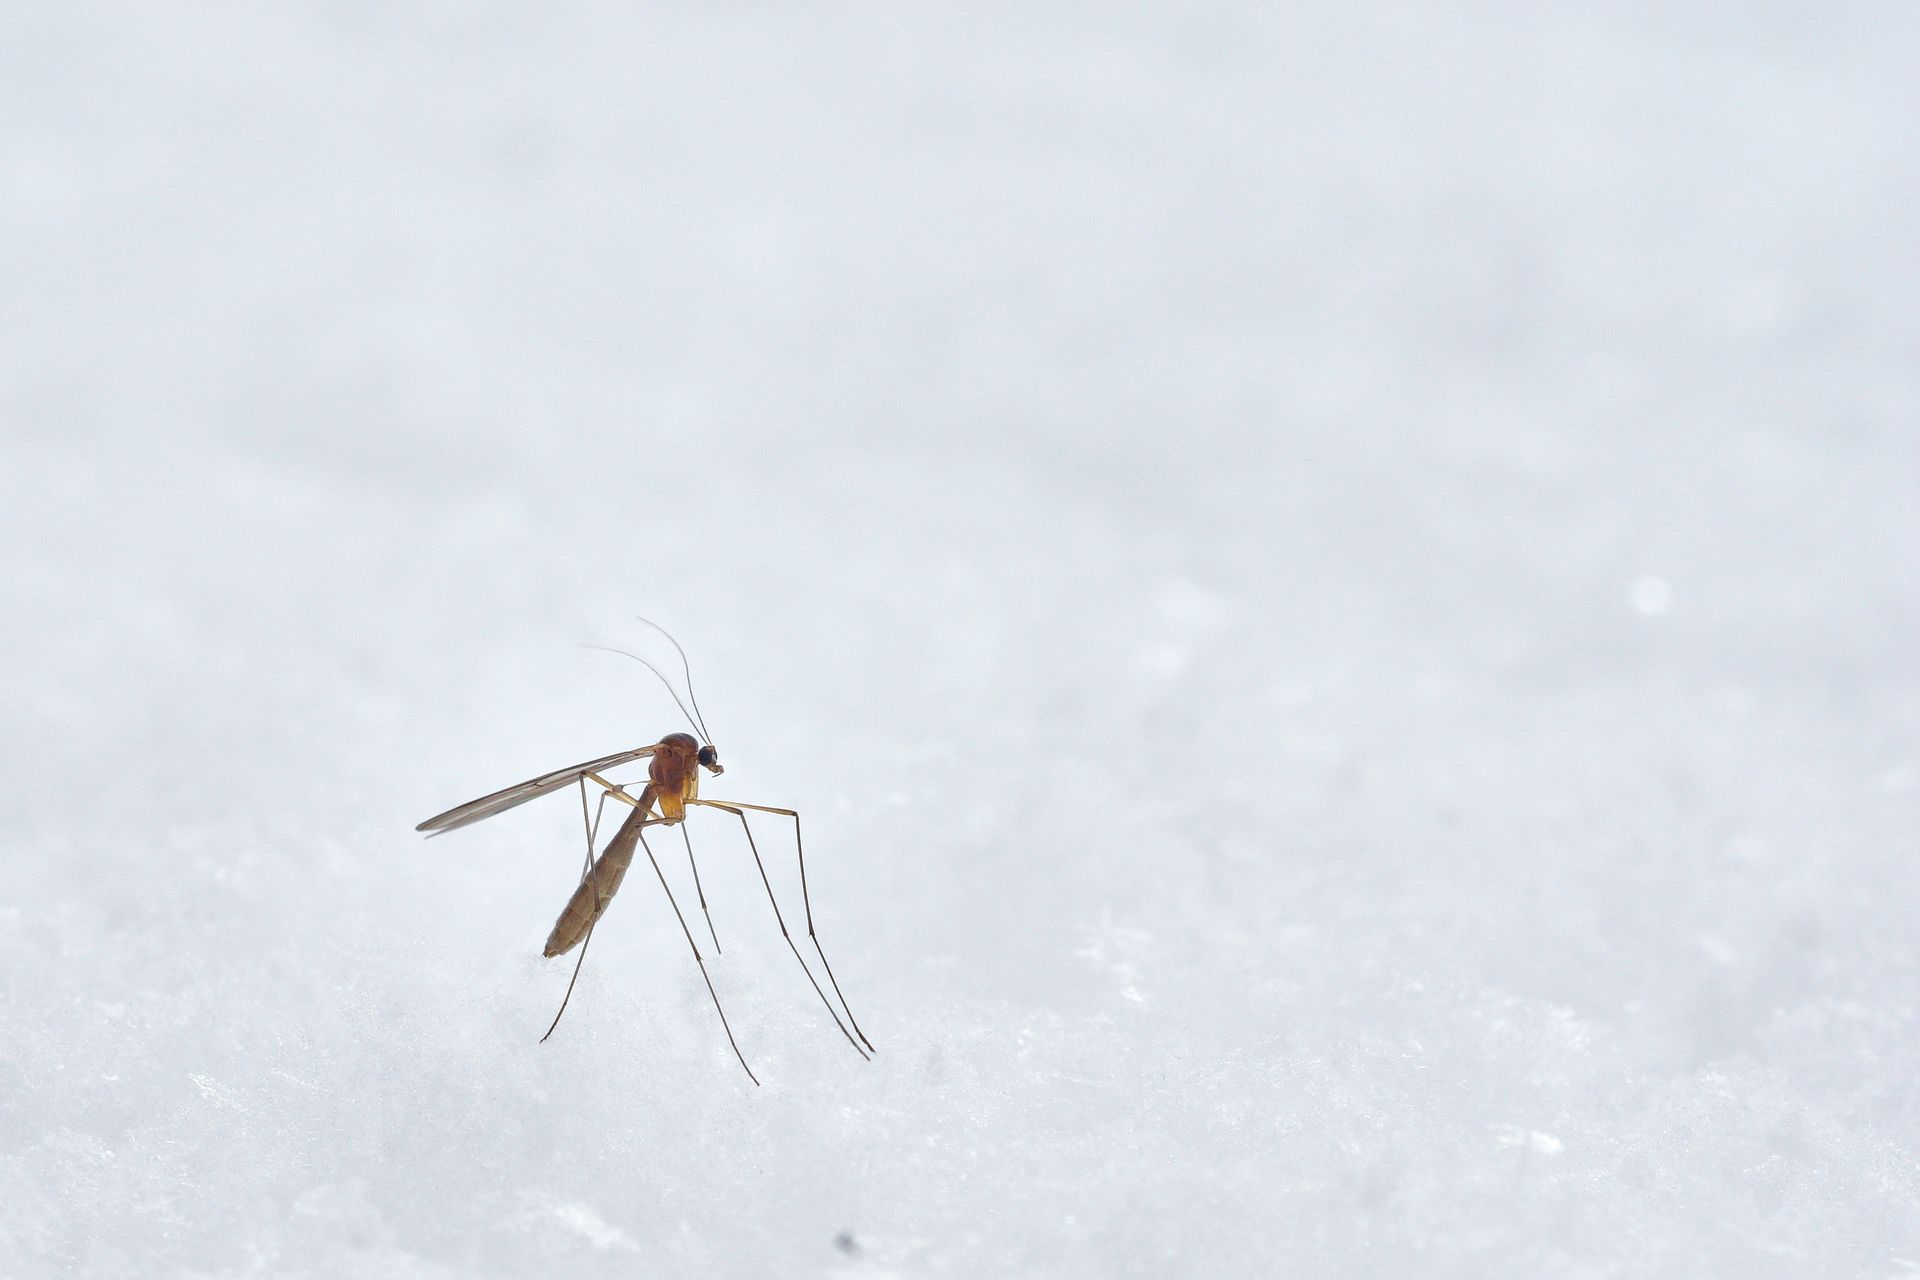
column 781, row 920
column 800, row 849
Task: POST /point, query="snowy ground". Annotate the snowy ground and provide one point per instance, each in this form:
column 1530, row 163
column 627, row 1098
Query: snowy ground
column 1338, row 586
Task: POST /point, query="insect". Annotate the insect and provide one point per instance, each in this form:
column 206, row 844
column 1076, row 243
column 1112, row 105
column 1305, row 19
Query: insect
column 673, row 785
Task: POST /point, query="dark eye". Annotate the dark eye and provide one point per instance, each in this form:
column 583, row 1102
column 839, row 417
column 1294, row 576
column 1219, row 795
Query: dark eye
column 708, row 756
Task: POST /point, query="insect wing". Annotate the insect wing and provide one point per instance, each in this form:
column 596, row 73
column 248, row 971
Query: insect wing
column 532, row 789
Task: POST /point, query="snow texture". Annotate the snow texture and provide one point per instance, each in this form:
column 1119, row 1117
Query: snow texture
column 1336, row 584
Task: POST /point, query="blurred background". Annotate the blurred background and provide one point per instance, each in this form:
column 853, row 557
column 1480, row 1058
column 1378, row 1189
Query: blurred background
column 1336, row 583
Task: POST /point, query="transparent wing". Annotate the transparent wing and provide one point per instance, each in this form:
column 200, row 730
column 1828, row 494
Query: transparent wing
column 532, row 789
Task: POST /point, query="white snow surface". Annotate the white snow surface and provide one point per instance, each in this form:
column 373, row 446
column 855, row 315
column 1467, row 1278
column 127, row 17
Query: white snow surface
column 1337, row 584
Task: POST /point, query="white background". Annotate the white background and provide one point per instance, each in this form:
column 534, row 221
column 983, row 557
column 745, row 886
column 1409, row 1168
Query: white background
column 1337, row 584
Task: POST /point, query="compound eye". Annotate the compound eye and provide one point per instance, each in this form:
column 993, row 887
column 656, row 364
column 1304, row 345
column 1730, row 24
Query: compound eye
column 709, row 757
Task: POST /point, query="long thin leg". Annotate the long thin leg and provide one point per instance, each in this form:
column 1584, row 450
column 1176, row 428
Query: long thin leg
column 702, row 893
column 801, row 849
column 784, row 935
column 591, row 828
column 613, row 790
column 696, row 959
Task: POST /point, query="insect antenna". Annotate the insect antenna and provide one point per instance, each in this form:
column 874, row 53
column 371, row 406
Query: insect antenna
column 686, row 669
column 663, row 680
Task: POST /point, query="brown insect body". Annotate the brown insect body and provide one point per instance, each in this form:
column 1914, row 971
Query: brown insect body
column 672, row 776
column 673, row 779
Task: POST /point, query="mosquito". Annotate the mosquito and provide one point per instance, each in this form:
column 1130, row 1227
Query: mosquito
column 673, row 785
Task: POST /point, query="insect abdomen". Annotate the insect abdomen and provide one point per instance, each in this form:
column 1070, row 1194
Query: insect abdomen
column 589, row 901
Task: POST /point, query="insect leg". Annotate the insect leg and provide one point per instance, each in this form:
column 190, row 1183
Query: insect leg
column 593, row 828
column 801, row 850
column 701, row 893
column 614, row 790
column 784, row 935
column 585, row 872
column 695, row 947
